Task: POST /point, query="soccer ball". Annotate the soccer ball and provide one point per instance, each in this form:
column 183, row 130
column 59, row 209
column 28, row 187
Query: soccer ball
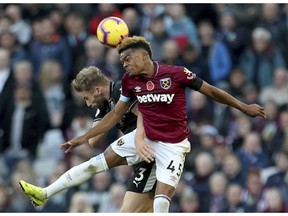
column 111, row 31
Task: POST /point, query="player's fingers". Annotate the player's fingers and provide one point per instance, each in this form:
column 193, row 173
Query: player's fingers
column 63, row 146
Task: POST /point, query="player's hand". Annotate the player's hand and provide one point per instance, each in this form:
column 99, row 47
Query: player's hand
column 73, row 143
column 254, row 110
column 145, row 151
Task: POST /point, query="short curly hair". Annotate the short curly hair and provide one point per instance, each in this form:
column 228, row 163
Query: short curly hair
column 135, row 42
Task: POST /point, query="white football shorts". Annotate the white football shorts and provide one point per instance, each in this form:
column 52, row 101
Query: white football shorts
column 169, row 157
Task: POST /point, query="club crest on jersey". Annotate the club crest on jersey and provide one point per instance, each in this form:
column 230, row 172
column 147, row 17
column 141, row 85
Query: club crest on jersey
column 165, row 83
column 120, row 142
column 150, row 85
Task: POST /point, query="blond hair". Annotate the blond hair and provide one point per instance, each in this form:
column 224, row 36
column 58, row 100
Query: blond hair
column 45, row 79
column 89, row 77
column 135, row 42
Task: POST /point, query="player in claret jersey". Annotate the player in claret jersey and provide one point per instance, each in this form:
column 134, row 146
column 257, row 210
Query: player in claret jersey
column 162, row 128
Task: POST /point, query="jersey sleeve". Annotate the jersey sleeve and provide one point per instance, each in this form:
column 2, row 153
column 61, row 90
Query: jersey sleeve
column 188, row 78
column 126, row 93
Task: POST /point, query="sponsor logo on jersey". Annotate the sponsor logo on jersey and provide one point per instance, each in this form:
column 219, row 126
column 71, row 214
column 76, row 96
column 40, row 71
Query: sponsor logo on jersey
column 150, row 85
column 165, row 83
column 120, row 142
column 166, row 98
column 190, row 75
column 137, row 89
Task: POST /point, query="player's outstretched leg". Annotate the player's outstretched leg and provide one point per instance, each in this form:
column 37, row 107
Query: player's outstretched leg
column 36, row 194
column 73, row 177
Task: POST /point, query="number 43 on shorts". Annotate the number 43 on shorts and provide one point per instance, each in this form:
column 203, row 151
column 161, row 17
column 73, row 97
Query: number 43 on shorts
column 172, row 168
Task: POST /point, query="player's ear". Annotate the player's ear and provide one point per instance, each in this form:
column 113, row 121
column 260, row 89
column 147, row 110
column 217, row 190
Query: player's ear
column 145, row 55
column 97, row 89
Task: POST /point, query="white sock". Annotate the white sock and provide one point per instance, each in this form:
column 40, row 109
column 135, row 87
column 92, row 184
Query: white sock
column 161, row 203
column 77, row 175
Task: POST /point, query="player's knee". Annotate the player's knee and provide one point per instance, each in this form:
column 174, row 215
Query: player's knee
column 97, row 164
column 161, row 203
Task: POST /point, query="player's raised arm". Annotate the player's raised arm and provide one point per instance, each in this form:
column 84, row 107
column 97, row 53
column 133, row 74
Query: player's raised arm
column 224, row 97
column 104, row 125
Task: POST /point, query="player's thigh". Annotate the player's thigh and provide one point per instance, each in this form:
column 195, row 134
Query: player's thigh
column 170, row 160
column 125, row 148
column 113, row 159
column 137, row 202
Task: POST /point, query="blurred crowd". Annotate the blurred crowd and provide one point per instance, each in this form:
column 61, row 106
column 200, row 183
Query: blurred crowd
column 237, row 163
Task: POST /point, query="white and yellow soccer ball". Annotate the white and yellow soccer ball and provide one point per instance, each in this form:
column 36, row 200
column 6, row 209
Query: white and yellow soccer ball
column 111, row 31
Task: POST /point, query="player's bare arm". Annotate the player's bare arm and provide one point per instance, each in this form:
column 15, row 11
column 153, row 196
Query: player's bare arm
column 144, row 150
column 223, row 97
column 97, row 140
column 109, row 120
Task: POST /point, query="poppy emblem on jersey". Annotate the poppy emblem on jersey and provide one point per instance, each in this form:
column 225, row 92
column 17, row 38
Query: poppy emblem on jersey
column 150, row 85
column 165, row 83
column 120, row 142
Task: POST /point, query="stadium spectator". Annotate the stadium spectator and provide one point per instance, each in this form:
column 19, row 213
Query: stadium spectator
column 269, row 126
column 55, row 89
column 115, row 198
column 94, row 55
column 132, row 18
column 158, row 34
column 47, row 44
column 20, row 27
column 280, row 139
column 6, row 76
column 261, row 59
column 217, row 186
column 171, row 52
column 231, row 35
column 76, row 35
column 180, row 27
column 23, row 122
column 8, row 42
column 270, row 19
column 80, row 203
column 148, row 13
column 233, row 170
column 214, row 52
column 278, row 91
column 254, row 191
column 251, row 153
column 234, row 203
column 274, row 200
column 204, row 168
column 237, row 82
column 189, row 201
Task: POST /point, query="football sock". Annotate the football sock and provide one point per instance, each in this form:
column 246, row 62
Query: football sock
column 77, row 175
column 161, row 203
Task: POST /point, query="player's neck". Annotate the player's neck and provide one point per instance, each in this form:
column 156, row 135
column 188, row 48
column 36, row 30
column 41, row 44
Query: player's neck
column 106, row 91
column 148, row 71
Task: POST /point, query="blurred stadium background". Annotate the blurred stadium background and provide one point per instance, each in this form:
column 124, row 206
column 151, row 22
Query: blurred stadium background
column 237, row 163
